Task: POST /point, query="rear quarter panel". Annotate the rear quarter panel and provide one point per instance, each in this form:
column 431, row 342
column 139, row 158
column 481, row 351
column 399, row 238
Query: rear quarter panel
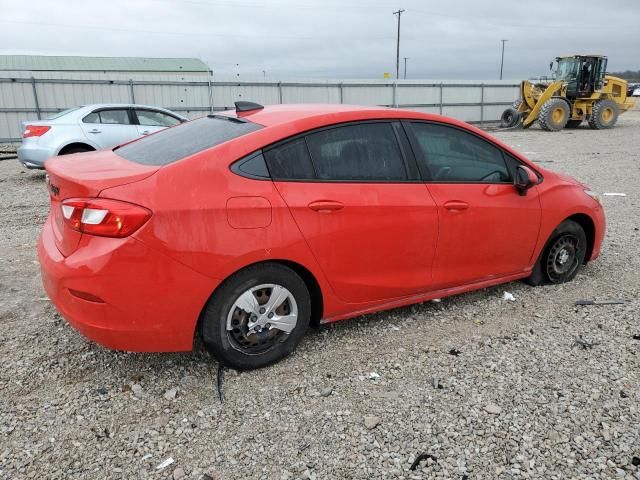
column 191, row 222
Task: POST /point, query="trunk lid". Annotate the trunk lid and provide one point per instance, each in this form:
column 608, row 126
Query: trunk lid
column 85, row 175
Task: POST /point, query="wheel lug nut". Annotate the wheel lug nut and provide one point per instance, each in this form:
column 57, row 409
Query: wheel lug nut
column 262, row 310
column 253, row 318
column 268, row 326
column 270, row 315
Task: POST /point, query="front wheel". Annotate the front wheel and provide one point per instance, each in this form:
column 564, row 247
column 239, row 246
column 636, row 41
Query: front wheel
column 562, row 257
column 257, row 317
column 554, row 114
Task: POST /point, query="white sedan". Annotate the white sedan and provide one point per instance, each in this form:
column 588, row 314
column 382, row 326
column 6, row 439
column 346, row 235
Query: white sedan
column 90, row 127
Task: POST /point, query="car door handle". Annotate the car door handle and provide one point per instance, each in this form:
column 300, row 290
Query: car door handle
column 456, row 205
column 325, row 206
column 145, row 132
column 95, row 130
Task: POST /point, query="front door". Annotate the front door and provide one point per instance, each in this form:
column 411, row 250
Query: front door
column 487, row 229
column 372, row 230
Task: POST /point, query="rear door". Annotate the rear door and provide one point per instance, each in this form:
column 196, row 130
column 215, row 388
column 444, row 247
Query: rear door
column 150, row 121
column 109, row 127
column 354, row 193
column 487, row 229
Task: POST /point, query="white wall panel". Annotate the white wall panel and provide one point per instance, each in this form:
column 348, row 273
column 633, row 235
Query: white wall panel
column 189, row 94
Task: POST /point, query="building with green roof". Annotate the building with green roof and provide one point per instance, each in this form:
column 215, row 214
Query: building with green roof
column 46, row 63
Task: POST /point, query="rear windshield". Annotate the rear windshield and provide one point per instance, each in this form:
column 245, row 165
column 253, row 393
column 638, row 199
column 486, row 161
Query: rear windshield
column 63, row 112
column 178, row 142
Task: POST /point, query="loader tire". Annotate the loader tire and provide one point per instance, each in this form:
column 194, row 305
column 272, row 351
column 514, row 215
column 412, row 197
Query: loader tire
column 554, row 114
column 604, row 114
column 573, row 124
column 510, row 118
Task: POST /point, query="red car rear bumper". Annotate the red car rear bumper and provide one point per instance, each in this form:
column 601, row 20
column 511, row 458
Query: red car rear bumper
column 150, row 303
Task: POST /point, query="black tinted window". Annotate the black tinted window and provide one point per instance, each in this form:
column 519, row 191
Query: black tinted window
column 451, row 155
column 290, row 161
column 252, row 166
column 183, row 140
column 363, row 152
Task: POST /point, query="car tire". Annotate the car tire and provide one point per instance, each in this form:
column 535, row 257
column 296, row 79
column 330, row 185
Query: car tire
column 226, row 329
column 604, row 114
column 554, row 266
column 554, row 114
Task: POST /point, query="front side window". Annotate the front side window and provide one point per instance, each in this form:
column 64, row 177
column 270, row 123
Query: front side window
column 451, row 155
column 113, row 117
column 362, row 152
column 152, row 118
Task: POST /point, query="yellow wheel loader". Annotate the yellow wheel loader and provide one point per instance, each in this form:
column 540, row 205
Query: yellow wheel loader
column 579, row 90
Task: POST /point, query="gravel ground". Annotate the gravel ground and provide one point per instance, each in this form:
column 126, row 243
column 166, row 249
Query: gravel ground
column 485, row 388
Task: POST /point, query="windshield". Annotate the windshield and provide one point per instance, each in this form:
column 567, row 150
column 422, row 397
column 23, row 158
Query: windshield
column 567, row 69
column 63, row 112
column 178, row 142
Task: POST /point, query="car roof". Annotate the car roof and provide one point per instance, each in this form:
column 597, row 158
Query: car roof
column 120, row 105
column 272, row 115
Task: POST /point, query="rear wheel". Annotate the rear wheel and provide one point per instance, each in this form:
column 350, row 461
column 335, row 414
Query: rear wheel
column 257, row 317
column 604, row 114
column 554, row 114
column 562, row 256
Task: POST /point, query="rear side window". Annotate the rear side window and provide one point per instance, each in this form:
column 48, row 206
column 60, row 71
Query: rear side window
column 362, row 152
column 451, row 155
column 175, row 143
column 113, row 117
column 290, row 161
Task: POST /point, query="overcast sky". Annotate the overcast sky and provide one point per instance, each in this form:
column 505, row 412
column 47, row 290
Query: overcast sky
column 452, row 39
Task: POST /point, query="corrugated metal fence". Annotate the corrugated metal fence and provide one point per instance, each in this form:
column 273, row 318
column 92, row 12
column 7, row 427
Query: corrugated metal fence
column 28, row 98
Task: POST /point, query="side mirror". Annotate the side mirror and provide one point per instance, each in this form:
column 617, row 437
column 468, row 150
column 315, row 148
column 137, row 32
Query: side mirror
column 525, row 179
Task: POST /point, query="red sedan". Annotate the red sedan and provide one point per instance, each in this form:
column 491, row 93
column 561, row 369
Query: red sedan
column 246, row 227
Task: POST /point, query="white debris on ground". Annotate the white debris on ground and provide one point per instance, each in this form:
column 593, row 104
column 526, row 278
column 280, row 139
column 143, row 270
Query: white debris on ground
column 508, row 297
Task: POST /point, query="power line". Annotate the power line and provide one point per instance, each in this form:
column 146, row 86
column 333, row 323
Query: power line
column 399, row 13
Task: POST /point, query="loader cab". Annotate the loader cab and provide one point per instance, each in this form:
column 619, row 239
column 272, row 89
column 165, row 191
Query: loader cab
column 584, row 74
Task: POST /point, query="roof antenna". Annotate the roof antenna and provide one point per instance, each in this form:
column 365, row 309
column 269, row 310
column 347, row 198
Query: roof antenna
column 247, row 106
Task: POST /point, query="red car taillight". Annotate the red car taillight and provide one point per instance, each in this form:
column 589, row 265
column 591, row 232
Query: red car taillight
column 103, row 217
column 35, row 130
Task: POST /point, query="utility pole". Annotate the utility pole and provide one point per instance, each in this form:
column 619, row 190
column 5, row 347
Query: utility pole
column 399, row 13
column 405, row 67
column 502, row 59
